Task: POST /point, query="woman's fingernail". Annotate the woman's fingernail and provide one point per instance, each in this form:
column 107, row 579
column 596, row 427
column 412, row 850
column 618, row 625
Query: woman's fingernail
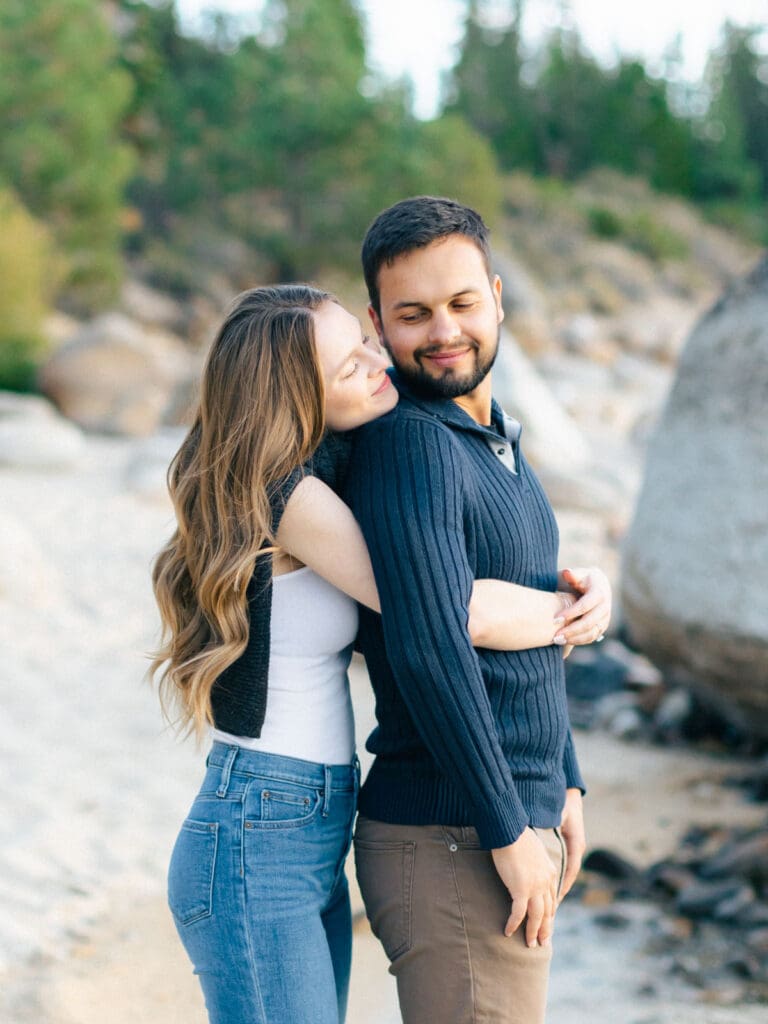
column 560, row 639
column 560, row 621
column 533, row 944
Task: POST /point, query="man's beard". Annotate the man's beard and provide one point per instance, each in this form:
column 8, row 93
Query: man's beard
column 448, row 386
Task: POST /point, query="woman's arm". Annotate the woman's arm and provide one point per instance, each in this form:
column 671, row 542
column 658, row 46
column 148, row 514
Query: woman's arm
column 318, row 529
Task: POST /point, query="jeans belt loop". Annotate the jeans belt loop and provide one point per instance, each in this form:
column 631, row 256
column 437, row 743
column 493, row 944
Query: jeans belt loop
column 226, row 771
column 327, row 800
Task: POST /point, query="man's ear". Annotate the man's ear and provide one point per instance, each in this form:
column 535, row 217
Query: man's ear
column 376, row 321
column 496, row 286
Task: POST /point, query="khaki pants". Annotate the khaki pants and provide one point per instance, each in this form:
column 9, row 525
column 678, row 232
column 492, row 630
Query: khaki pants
column 436, row 904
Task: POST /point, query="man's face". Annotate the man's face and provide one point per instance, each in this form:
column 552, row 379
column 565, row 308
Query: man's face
column 440, row 316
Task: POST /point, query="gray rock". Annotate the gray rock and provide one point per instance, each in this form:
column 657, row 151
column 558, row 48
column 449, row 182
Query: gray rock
column 735, row 908
column 611, row 865
column 40, row 443
column 675, row 709
column 747, row 858
column 619, row 714
column 116, row 376
column 552, row 438
column 34, row 436
column 696, row 556
column 670, row 878
column 148, row 306
column 702, row 899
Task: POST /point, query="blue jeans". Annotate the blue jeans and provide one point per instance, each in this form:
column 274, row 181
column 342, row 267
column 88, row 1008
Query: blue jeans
column 257, row 888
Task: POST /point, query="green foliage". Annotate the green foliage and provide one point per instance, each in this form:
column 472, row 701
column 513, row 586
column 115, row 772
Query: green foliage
column 277, row 138
column 61, row 101
column 732, row 137
column 487, row 87
column 604, row 223
column 557, row 112
column 29, row 274
column 638, row 226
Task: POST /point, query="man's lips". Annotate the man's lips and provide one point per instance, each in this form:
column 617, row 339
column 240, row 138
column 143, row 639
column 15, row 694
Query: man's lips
column 447, row 357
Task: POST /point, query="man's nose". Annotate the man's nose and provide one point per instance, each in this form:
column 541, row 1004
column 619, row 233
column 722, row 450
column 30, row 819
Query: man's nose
column 443, row 327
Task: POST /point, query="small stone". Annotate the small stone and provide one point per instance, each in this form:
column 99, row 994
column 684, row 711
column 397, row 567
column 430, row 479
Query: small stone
column 735, row 908
column 627, row 724
column 669, row 878
column 613, row 921
column 610, row 865
column 730, row 995
column 745, row 857
column 689, row 968
column 702, row 898
column 597, row 897
column 675, row 709
column 755, row 916
column 744, row 965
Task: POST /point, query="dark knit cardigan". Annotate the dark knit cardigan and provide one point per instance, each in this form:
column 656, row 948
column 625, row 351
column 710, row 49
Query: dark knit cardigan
column 239, row 695
column 464, row 737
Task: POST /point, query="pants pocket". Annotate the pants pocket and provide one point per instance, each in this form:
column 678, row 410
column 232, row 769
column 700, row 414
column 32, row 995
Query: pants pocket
column 385, row 876
column 191, row 871
column 281, row 805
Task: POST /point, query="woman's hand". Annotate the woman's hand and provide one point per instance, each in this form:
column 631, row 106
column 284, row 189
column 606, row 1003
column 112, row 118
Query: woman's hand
column 587, row 618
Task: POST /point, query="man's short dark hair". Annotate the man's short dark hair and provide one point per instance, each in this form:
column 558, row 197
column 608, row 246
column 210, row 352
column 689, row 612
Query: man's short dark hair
column 414, row 224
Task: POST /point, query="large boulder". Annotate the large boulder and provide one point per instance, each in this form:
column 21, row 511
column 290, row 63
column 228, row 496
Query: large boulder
column 118, row 377
column 695, row 565
column 552, row 438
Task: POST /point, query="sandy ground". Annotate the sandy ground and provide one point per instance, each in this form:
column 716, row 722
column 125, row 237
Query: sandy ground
column 95, row 786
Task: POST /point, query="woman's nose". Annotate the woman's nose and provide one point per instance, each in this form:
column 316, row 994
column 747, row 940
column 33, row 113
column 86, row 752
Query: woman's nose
column 379, row 360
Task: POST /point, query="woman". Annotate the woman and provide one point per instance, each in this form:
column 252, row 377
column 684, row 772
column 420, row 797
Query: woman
column 260, row 579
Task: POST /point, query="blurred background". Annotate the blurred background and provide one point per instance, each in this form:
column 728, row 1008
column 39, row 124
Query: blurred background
column 158, row 157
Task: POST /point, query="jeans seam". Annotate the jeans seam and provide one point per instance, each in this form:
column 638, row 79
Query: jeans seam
column 251, row 952
column 561, row 879
column 460, row 904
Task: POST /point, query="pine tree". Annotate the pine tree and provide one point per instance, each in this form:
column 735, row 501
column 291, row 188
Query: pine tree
column 61, row 104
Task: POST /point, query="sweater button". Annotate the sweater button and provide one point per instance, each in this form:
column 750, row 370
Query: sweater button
column 453, row 847
column 500, row 451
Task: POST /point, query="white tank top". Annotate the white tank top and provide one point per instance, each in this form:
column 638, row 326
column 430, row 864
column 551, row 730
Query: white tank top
column 309, row 710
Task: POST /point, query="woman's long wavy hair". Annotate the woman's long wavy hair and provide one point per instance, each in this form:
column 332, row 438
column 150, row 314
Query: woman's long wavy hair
column 261, row 414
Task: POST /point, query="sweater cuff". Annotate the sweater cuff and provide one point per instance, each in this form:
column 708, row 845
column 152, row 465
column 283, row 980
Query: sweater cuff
column 501, row 822
column 573, row 777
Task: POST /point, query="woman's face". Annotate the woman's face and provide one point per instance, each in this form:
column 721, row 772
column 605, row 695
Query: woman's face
column 357, row 388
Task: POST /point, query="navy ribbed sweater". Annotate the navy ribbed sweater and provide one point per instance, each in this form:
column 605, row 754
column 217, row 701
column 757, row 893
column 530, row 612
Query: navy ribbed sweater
column 464, row 736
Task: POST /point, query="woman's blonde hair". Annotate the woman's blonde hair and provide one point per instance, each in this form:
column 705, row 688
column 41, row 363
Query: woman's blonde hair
column 261, row 414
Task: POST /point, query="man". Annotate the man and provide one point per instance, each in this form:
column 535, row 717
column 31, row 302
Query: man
column 475, row 791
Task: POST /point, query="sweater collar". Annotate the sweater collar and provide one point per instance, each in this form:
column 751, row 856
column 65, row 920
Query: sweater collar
column 449, row 412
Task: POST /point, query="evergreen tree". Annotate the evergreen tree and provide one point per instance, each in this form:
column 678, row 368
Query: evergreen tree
column 742, row 73
column 731, row 130
column 61, row 103
column 486, row 87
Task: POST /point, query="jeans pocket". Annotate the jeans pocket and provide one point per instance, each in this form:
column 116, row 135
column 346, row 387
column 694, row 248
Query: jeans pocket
column 281, row 805
column 191, row 871
column 385, row 875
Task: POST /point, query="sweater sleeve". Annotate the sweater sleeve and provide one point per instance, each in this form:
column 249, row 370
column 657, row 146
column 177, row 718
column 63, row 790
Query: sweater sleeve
column 573, row 777
column 405, row 487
